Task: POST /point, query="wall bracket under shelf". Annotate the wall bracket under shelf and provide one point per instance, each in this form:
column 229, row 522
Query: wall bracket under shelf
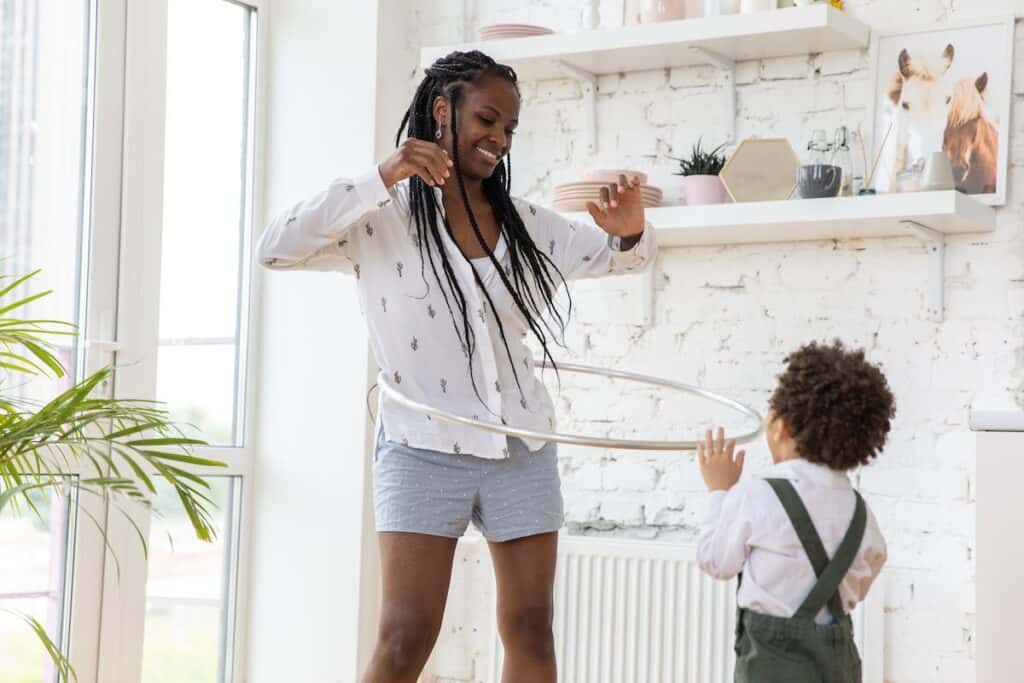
column 936, row 242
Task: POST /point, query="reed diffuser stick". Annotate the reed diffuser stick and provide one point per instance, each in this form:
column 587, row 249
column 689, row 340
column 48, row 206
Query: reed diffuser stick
column 878, row 158
column 863, row 151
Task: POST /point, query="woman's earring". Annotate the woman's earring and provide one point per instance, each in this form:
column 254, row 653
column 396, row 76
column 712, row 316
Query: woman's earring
column 437, row 135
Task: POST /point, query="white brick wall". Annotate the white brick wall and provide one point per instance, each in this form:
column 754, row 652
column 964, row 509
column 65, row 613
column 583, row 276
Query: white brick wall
column 726, row 317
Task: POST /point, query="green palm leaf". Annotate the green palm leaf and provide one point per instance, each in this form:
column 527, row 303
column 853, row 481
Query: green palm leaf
column 127, row 443
column 64, row 670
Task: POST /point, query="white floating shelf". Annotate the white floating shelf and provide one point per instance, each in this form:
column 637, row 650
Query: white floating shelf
column 885, row 215
column 758, row 35
column 1001, row 418
column 929, row 216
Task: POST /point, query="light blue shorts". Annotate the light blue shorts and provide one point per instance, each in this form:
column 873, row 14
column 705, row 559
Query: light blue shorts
column 428, row 492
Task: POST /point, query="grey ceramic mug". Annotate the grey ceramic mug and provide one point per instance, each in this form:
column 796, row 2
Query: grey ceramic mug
column 814, row 181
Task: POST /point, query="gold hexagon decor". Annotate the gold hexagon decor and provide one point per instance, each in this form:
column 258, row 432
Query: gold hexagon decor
column 761, row 170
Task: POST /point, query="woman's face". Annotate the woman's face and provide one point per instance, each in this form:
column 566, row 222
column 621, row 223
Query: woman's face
column 488, row 113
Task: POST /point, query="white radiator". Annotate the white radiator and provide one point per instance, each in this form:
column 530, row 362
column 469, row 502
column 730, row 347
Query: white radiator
column 643, row 612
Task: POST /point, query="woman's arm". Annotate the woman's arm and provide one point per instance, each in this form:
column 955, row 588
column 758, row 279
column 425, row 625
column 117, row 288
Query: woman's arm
column 622, row 241
column 318, row 234
column 592, row 253
column 581, row 250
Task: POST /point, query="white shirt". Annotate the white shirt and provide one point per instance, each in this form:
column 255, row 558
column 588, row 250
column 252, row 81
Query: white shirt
column 746, row 529
column 362, row 228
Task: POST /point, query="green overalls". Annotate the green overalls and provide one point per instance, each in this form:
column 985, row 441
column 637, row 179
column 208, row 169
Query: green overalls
column 797, row 650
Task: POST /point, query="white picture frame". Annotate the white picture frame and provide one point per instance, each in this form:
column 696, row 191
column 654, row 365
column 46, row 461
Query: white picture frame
column 912, row 127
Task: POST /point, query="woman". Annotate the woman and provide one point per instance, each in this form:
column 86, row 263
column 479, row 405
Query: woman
column 453, row 275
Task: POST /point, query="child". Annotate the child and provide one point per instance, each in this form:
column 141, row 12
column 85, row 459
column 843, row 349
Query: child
column 802, row 541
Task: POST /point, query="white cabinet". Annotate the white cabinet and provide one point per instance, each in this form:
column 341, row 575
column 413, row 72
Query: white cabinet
column 1000, row 544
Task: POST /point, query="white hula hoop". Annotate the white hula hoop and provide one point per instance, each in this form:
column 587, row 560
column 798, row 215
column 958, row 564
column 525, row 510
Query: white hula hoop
column 579, row 439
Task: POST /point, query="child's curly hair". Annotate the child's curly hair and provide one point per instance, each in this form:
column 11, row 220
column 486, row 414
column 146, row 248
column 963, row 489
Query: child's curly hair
column 836, row 405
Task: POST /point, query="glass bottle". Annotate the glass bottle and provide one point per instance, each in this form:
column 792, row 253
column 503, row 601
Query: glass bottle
column 842, row 157
column 818, row 177
column 818, row 147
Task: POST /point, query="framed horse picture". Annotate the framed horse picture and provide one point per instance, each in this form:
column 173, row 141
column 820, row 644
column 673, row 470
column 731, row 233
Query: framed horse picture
column 943, row 89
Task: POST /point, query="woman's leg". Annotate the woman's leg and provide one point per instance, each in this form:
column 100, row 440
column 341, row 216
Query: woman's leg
column 524, row 570
column 416, row 569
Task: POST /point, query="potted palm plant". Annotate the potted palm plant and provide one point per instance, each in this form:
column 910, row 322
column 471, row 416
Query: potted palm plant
column 701, row 184
column 109, row 447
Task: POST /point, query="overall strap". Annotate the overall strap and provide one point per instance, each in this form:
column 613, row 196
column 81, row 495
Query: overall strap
column 830, row 573
column 827, row 588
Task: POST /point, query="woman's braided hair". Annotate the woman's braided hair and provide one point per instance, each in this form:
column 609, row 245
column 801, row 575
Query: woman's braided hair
column 529, row 278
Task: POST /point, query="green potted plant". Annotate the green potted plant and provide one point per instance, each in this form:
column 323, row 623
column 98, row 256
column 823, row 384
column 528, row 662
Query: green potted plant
column 113, row 448
column 701, row 184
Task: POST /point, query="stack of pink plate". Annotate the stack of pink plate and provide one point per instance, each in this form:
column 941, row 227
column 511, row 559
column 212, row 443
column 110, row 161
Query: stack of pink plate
column 574, row 196
column 502, row 31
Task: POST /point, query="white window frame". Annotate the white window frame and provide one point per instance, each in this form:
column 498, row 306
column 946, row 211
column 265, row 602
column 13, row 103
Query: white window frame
column 125, row 210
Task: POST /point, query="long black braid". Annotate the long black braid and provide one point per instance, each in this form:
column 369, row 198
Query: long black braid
column 529, row 275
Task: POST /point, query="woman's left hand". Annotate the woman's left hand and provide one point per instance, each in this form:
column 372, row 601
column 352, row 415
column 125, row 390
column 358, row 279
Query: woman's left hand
column 620, row 211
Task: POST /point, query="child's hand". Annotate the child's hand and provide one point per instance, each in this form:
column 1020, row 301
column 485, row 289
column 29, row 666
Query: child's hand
column 719, row 468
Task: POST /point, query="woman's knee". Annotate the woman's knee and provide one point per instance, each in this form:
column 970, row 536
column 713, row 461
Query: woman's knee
column 528, row 630
column 404, row 641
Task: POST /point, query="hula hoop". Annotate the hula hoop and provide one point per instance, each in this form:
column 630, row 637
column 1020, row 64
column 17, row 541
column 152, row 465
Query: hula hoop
column 580, row 439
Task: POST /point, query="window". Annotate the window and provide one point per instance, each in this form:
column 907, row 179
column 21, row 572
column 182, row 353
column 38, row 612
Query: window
column 34, row 573
column 190, row 591
column 80, row 197
column 44, row 50
column 205, row 263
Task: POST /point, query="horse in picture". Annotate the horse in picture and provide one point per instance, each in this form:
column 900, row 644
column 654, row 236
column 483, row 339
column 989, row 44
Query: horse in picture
column 971, row 141
column 918, row 98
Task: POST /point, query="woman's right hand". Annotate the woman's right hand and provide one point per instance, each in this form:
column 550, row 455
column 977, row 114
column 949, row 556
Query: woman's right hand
column 416, row 157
